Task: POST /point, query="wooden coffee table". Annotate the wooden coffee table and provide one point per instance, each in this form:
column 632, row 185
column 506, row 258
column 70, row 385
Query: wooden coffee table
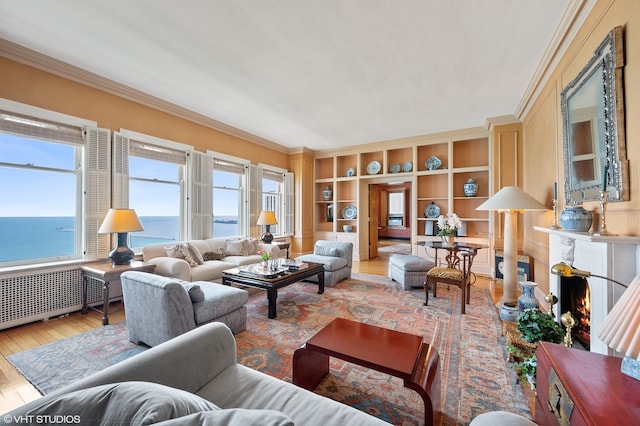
column 241, row 276
column 392, row 352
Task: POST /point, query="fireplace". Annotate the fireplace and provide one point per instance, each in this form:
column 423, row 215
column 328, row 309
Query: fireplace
column 575, row 297
column 616, row 257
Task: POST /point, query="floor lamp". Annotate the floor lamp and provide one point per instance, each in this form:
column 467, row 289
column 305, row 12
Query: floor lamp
column 511, row 200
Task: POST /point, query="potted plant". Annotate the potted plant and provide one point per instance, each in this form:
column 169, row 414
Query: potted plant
column 534, row 326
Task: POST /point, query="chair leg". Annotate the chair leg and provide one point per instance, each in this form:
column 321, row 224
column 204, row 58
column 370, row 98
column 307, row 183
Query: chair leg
column 426, row 293
column 463, row 299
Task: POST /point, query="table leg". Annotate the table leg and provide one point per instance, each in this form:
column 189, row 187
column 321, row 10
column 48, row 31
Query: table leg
column 321, row 282
column 309, row 368
column 272, row 295
column 105, row 293
column 85, row 306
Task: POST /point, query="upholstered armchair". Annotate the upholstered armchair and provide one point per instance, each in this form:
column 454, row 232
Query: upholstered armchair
column 160, row 308
column 336, row 256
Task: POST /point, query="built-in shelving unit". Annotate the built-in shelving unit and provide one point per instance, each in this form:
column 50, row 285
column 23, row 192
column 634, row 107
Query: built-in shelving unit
column 462, row 156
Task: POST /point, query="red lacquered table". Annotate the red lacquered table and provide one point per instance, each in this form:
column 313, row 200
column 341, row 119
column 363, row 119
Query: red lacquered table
column 392, row 352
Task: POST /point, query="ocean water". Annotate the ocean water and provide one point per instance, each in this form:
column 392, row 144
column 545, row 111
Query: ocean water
column 49, row 237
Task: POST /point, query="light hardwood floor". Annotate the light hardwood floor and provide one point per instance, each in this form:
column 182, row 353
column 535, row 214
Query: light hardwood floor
column 16, row 391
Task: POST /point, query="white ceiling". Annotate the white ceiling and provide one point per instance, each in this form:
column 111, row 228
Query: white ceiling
column 315, row 73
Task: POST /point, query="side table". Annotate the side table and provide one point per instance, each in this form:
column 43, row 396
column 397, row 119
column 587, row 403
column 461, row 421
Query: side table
column 282, row 245
column 105, row 272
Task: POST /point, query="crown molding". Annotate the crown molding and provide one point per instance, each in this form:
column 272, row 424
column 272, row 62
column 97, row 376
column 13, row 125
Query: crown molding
column 574, row 16
column 45, row 63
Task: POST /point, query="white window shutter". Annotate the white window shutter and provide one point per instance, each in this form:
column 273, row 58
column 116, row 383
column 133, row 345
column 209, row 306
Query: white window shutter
column 289, row 207
column 120, row 172
column 201, row 196
column 255, row 198
column 97, row 190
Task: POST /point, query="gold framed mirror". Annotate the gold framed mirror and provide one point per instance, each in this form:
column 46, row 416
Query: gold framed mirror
column 595, row 155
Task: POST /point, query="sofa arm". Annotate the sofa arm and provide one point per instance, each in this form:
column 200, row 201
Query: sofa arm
column 172, row 267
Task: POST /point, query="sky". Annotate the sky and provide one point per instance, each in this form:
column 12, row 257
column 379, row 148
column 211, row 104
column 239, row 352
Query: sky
column 25, row 192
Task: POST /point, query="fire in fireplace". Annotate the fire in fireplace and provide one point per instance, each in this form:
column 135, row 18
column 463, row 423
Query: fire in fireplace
column 576, row 298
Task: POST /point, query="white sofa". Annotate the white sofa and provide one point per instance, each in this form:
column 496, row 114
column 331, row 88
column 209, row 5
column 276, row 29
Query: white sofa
column 228, row 252
column 195, row 379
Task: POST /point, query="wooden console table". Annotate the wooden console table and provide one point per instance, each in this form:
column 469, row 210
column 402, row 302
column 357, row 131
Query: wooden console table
column 576, row 387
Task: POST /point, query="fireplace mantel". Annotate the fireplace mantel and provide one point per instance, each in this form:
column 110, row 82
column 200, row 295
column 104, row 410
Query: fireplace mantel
column 615, row 257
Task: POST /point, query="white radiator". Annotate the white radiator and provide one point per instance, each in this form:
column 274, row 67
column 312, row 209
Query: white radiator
column 42, row 294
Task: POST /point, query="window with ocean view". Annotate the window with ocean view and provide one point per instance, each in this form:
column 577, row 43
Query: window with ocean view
column 40, row 183
column 228, row 186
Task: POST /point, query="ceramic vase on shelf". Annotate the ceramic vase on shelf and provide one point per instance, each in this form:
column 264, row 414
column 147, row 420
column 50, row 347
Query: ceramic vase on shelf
column 527, row 299
column 471, row 188
column 448, row 240
column 327, row 193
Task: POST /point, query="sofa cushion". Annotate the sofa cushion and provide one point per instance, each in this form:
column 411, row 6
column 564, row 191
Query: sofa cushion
column 330, row 263
column 214, row 255
column 236, row 247
column 218, row 300
column 232, row 417
column 210, row 270
column 139, row 403
column 326, row 251
column 186, row 252
column 195, row 292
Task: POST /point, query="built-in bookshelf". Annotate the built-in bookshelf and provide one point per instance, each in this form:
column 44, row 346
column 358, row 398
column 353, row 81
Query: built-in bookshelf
column 438, row 170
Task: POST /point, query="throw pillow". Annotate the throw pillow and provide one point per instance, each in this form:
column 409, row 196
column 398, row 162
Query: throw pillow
column 195, row 292
column 181, row 251
column 139, row 403
column 195, row 253
column 232, row 417
column 214, row 255
column 326, row 251
column 253, row 246
column 236, row 247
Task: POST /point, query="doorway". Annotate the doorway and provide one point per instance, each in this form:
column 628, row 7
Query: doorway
column 389, row 219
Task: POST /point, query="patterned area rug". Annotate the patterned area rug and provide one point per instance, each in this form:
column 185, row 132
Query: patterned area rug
column 475, row 376
column 401, row 248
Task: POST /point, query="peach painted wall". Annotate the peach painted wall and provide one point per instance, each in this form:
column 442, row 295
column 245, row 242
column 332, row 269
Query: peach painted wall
column 31, row 86
column 542, row 128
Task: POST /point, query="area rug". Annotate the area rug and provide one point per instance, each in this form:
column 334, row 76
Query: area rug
column 401, row 248
column 475, row 376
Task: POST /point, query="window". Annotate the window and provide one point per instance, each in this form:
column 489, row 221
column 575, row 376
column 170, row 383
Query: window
column 229, row 183
column 273, row 196
column 154, row 187
column 41, row 187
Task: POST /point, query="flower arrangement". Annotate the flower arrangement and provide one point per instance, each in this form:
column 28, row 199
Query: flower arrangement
column 448, row 226
column 265, row 256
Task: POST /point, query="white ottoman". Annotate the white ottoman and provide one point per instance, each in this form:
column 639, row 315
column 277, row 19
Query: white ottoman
column 409, row 270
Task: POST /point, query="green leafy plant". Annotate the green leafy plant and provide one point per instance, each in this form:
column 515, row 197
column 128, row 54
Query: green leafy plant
column 526, row 370
column 535, row 325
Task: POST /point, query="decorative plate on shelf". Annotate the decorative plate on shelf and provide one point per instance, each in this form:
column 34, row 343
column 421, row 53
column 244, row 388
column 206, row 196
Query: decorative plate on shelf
column 349, row 212
column 373, row 168
column 351, row 172
column 395, row 168
column 432, row 210
column 407, row 166
column 433, row 163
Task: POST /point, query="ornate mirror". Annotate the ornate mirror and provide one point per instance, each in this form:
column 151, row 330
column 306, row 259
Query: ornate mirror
column 595, row 157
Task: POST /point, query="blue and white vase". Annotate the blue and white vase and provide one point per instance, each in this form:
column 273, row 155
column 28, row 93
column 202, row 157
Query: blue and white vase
column 576, row 218
column 527, row 299
column 471, row 188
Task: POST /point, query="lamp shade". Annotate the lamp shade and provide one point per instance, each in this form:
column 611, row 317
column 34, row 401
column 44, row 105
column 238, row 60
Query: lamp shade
column 267, row 217
column 120, row 220
column 511, row 198
column 621, row 328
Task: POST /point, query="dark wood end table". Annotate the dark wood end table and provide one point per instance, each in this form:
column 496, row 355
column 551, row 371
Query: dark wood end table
column 105, row 272
column 238, row 276
column 392, row 352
